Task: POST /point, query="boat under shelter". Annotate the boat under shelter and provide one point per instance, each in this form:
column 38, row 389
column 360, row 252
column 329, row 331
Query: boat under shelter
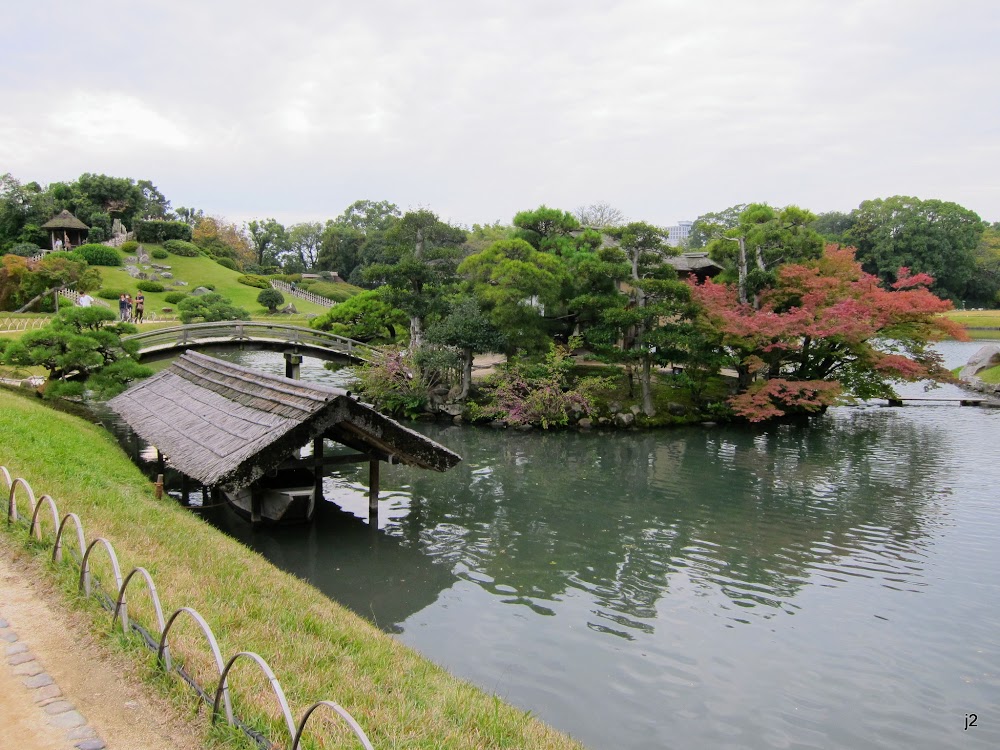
column 229, row 427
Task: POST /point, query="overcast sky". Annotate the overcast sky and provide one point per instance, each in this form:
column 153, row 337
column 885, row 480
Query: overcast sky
column 666, row 109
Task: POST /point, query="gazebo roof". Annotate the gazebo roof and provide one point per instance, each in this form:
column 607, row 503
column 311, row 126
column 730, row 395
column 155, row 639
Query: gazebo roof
column 698, row 263
column 64, row 220
column 221, row 423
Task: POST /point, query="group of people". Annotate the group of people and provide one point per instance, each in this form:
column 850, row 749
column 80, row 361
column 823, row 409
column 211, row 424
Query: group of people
column 129, row 309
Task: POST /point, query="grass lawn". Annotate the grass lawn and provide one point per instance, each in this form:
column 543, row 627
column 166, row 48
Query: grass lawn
column 197, row 271
column 976, row 318
column 318, row 649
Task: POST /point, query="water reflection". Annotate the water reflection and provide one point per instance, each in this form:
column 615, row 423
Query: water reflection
column 753, row 516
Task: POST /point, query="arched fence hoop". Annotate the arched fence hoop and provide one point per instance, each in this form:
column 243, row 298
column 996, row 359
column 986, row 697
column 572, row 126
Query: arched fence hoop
column 80, row 540
column 12, row 503
column 120, row 607
column 222, row 693
column 85, row 566
column 275, row 686
column 213, row 644
column 36, row 527
column 343, row 713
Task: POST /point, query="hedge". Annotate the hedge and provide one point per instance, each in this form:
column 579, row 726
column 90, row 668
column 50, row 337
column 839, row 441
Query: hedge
column 182, row 247
column 129, row 247
column 159, row 253
column 110, row 293
column 150, row 286
column 254, row 280
column 100, row 255
column 227, row 263
column 174, row 297
column 158, row 232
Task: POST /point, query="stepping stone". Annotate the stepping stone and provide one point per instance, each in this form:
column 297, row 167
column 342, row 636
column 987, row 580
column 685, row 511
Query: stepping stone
column 68, row 720
column 28, row 668
column 21, row 658
column 39, row 680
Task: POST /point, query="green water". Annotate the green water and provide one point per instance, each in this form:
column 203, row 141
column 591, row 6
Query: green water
column 825, row 586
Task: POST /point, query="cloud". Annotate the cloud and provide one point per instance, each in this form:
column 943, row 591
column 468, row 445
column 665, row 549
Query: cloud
column 664, row 108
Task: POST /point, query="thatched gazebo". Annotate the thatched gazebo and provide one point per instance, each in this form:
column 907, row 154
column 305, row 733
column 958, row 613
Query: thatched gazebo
column 695, row 264
column 227, row 426
column 65, row 231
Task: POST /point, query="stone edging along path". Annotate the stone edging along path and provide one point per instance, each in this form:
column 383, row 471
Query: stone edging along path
column 53, row 707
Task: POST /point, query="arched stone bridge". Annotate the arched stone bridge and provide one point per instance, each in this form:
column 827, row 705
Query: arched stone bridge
column 165, row 342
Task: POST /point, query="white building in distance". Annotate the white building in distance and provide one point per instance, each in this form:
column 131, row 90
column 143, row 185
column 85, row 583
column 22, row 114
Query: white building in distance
column 678, row 233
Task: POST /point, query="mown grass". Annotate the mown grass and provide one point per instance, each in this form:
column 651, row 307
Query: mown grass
column 318, row 649
column 991, row 375
column 976, row 318
column 197, row 271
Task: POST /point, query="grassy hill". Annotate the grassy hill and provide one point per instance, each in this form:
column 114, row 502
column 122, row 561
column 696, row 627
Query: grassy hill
column 203, row 271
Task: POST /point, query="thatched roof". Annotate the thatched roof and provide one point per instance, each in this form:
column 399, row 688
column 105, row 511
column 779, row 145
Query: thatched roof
column 221, row 423
column 696, row 263
column 65, row 220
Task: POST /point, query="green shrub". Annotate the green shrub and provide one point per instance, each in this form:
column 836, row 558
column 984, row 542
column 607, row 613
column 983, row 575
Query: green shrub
column 174, row 297
column 210, row 287
column 129, row 247
column 100, row 255
column 270, row 298
column 227, row 263
column 288, row 278
column 210, row 307
column 110, row 293
column 338, row 292
column 158, row 231
column 25, row 249
column 182, row 247
column 150, row 286
column 159, row 253
column 254, row 280
column 97, row 234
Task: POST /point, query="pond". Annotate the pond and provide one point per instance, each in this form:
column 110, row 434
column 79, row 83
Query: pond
column 830, row 585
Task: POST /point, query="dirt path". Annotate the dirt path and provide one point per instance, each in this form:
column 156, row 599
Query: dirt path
column 94, row 699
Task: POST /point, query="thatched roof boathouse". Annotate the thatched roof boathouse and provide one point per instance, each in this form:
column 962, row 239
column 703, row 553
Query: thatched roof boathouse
column 228, row 426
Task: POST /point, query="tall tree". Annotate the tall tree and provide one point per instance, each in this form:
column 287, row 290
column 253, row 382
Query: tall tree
column 469, row 330
column 422, row 252
column 927, row 236
column 650, row 322
column 825, row 327
column 304, row 242
column 711, row 225
column 546, row 229
column 513, row 281
column 600, row 215
column 763, row 239
column 269, row 240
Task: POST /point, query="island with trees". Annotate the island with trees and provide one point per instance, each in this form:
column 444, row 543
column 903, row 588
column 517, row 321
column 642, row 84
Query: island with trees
column 593, row 319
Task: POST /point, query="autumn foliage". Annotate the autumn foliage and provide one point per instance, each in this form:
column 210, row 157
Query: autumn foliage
column 824, row 330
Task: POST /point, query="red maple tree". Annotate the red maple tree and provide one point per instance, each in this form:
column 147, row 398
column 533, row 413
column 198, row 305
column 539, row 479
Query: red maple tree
column 826, row 329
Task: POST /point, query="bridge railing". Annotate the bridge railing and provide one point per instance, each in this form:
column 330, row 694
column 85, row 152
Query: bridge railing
column 242, row 330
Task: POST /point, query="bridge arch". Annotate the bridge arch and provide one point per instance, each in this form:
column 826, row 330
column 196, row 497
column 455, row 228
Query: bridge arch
column 165, row 342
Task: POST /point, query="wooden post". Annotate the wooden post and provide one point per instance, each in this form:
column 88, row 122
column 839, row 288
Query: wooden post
column 293, row 363
column 318, row 468
column 373, row 469
column 159, row 486
column 255, row 504
column 160, row 464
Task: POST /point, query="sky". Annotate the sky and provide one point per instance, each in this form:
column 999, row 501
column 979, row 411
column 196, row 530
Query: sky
column 664, row 109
